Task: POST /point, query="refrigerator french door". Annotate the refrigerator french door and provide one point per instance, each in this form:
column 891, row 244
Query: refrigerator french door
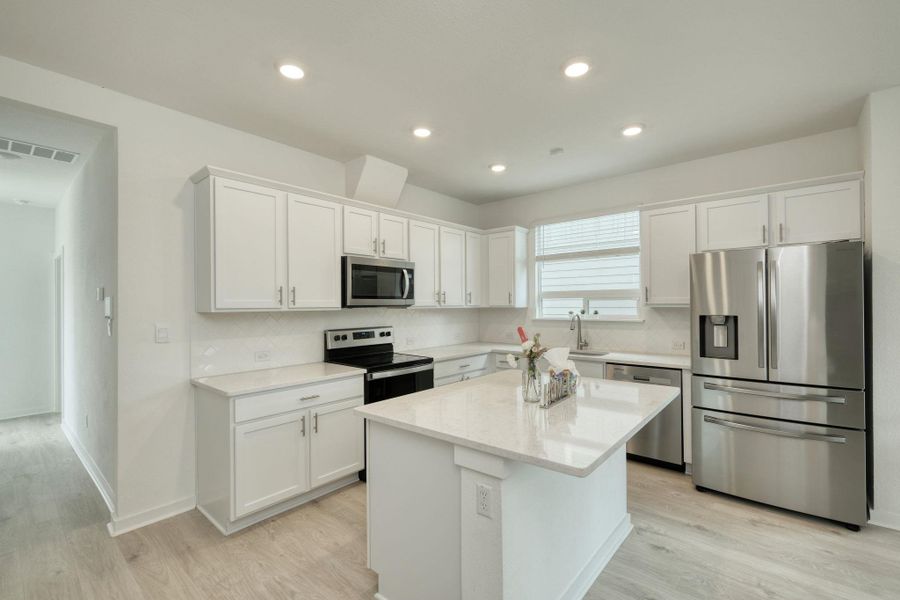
column 778, row 356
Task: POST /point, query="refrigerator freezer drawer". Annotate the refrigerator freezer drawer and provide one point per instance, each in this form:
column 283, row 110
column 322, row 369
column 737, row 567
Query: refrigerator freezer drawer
column 835, row 408
column 815, row 470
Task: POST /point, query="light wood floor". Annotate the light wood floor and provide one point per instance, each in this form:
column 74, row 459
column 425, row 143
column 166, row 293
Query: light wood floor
column 686, row 545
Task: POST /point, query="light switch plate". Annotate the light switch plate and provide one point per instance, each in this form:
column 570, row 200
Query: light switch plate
column 161, row 333
column 262, row 356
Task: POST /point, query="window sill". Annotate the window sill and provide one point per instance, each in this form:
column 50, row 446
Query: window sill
column 586, row 321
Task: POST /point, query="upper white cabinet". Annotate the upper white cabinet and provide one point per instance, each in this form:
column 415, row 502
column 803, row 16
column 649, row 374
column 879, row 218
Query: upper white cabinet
column 733, row 223
column 360, row 231
column 393, row 237
column 818, row 214
column 314, row 253
column 667, row 241
column 240, row 246
column 424, row 251
column 508, row 267
column 474, row 271
column 453, row 266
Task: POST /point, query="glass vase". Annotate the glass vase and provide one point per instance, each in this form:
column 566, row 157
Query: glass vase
column 531, row 383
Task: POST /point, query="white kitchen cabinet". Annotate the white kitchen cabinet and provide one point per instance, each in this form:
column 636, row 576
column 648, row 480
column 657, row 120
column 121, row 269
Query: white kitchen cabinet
column 360, row 231
column 667, row 241
column 246, row 246
column 474, row 270
column 314, row 253
column 508, row 267
column 733, row 223
column 336, row 442
column 819, row 214
column 393, row 237
column 462, row 369
column 424, row 251
column 271, row 461
column 452, row 266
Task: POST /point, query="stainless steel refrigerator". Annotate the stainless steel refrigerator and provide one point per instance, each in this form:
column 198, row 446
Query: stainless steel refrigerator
column 778, row 362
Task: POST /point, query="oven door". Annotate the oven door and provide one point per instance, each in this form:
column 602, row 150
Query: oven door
column 377, row 282
column 382, row 385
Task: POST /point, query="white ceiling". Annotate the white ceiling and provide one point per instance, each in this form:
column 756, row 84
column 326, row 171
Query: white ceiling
column 42, row 181
column 706, row 76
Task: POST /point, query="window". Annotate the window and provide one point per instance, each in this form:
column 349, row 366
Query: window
column 591, row 265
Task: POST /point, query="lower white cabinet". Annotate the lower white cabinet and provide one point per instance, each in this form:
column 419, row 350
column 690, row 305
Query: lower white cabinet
column 462, row 369
column 261, row 454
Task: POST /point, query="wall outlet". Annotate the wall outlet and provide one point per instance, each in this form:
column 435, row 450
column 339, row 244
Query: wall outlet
column 410, row 342
column 678, row 345
column 262, row 356
column 483, row 500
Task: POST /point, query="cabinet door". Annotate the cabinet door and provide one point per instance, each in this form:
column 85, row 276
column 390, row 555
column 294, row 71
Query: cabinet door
column 423, row 250
column 474, row 270
column 249, row 246
column 667, row 241
column 453, row 267
column 360, row 231
column 819, row 214
column 336, row 442
column 733, row 223
column 501, row 265
column 393, row 238
column 271, row 461
column 314, row 253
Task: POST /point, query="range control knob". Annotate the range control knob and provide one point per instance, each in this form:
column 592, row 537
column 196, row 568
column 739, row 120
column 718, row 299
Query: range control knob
column 344, row 337
column 337, row 338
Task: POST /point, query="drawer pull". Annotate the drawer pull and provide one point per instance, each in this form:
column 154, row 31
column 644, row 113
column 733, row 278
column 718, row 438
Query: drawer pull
column 777, row 395
column 464, row 366
column 305, row 398
column 834, row 439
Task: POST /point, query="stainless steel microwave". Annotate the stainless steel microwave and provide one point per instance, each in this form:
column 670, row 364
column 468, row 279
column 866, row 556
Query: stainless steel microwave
column 377, row 282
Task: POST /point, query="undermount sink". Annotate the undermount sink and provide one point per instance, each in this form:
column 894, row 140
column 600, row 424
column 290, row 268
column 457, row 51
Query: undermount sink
column 588, row 352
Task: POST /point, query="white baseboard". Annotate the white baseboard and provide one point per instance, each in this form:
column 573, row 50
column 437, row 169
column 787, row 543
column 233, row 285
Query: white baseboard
column 109, row 496
column 25, row 412
column 588, row 575
column 885, row 518
column 119, row 525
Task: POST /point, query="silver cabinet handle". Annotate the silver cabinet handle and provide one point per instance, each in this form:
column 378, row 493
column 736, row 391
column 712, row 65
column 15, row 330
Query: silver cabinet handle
column 464, row 366
column 468, row 297
column 443, row 297
column 510, row 298
column 305, row 398
column 382, row 246
column 834, row 439
column 315, row 422
column 437, row 297
column 646, row 294
column 773, row 314
column 764, row 234
column 761, row 314
column 375, row 245
column 303, row 425
column 779, row 395
column 280, row 295
column 293, row 295
column 781, row 232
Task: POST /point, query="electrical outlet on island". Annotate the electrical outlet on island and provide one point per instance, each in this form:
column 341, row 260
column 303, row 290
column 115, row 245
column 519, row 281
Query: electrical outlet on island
column 678, row 345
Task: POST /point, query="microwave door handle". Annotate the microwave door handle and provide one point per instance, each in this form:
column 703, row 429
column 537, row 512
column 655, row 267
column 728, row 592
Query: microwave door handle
column 405, row 283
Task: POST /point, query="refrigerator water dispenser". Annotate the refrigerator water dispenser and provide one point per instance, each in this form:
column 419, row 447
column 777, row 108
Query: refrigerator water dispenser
column 718, row 336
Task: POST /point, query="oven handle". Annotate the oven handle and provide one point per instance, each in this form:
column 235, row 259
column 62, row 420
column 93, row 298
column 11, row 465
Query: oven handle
column 398, row 372
column 405, row 283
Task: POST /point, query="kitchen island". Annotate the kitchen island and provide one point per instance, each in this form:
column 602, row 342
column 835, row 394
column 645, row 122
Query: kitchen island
column 474, row 494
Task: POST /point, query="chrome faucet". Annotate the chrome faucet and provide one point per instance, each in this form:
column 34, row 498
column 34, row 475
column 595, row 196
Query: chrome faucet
column 580, row 343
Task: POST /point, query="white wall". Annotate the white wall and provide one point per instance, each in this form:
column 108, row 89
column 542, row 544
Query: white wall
column 85, row 233
column 26, row 250
column 422, row 201
column 880, row 134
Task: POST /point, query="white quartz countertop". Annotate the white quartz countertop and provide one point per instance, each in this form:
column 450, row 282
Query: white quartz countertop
column 574, row 436
column 264, row 380
column 670, row 361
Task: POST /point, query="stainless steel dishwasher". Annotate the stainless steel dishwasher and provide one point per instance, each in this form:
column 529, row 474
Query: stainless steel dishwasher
column 660, row 441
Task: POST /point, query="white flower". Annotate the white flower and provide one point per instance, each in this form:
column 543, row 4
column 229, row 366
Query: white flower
column 527, row 345
column 512, row 361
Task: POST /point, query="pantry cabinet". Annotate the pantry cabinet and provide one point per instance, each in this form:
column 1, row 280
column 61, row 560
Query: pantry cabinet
column 424, row 251
column 818, row 213
column 508, row 267
column 452, row 266
column 314, row 253
column 741, row 222
column 474, row 271
column 667, row 241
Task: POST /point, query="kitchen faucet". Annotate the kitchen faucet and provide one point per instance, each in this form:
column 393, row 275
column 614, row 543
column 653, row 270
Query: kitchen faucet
column 580, row 343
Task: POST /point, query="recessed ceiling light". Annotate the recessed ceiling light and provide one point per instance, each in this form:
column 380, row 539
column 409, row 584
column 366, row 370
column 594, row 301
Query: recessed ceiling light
column 291, row 71
column 498, row 168
column 421, row 132
column 632, row 130
column 576, row 68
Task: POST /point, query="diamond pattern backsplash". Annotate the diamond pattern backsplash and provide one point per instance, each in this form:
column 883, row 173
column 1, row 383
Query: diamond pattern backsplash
column 227, row 343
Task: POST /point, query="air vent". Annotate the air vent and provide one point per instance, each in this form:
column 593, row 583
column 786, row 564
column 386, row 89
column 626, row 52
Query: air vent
column 29, row 149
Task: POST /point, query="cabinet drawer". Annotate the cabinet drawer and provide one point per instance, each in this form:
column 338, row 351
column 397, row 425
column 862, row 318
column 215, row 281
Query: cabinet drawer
column 256, row 406
column 460, row 365
column 457, row 377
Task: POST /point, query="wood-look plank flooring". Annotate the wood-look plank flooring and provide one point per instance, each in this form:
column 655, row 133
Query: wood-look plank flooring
column 686, row 545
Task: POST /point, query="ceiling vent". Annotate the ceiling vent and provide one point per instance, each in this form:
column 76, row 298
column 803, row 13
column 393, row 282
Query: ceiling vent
column 29, row 149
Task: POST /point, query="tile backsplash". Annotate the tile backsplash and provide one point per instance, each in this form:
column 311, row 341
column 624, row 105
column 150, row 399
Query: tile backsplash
column 228, row 343
column 662, row 331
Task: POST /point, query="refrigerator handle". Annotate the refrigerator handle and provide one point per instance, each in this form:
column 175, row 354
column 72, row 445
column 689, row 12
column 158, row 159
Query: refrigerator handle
column 761, row 313
column 773, row 314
